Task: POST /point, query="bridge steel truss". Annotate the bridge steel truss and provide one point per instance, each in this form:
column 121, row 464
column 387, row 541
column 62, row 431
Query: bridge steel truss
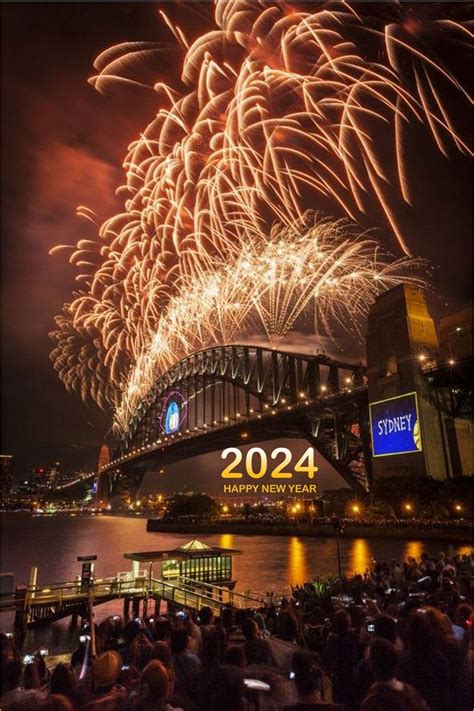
column 244, row 391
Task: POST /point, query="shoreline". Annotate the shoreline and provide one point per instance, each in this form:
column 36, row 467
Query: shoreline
column 322, row 531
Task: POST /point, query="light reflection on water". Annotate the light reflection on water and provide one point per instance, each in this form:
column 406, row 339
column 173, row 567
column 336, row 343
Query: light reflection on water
column 267, row 562
column 360, row 557
column 297, row 569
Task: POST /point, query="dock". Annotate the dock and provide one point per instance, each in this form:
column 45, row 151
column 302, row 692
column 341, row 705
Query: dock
column 142, row 592
column 40, row 606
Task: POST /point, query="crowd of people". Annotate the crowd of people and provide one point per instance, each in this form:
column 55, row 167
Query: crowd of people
column 398, row 638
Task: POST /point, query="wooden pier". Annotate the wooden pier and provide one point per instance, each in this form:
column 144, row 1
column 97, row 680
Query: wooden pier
column 37, row 606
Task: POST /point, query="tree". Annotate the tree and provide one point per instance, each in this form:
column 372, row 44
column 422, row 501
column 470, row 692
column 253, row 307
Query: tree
column 199, row 506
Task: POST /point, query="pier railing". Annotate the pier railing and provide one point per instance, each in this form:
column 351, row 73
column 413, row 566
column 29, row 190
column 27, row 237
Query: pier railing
column 40, row 604
column 224, row 595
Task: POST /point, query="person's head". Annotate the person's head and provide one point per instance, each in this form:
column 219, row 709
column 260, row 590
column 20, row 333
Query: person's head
column 205, row 615
column 107, row 669
column 142, row 651
column 180, row 640
column 386, row 628
column 308, row 676
column 383, row 659
column 240, row 617
column 441, row 626
column 210, row 650
column 260, row 621
column 162, row 652
column 11, row 675
column 462, row 615
column 341, row 623
column 130, row 631
column 162, row 630
column 235, row 656
column 227, row 617
column 250, row 629
column 155, row 678
column 63, row 680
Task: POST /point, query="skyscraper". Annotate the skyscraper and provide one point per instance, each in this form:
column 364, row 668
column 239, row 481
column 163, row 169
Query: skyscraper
column 7, row 474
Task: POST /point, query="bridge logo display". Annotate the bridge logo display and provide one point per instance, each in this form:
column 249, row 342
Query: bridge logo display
column 173, row 412
column 395, row 426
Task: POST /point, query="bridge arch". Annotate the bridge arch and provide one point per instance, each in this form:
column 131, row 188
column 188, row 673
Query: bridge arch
column 227, row 389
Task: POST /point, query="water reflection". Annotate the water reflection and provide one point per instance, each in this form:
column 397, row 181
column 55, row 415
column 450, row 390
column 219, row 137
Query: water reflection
column 360, row 556
column 297, row 565
column 226, row 540
column 414, row 549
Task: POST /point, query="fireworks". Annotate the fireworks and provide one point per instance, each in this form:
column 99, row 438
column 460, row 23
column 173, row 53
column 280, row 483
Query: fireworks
column 280, row 110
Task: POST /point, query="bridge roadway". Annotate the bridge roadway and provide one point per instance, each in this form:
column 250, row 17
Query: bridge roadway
column 38, row 606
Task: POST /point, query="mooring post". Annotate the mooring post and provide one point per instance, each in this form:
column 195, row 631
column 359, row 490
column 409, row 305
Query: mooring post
column 136, row 607
column 126, row 608
column 32, row 584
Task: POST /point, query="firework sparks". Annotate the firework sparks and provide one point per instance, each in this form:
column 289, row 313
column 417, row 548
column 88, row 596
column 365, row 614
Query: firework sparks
column 280, row 110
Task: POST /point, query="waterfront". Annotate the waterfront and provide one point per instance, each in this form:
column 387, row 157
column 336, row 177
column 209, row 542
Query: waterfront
column 268, row 562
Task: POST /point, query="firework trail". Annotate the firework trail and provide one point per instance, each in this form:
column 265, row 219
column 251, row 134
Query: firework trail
column 281, row 109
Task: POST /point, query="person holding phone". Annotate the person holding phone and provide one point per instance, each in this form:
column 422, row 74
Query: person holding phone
column 14, row 692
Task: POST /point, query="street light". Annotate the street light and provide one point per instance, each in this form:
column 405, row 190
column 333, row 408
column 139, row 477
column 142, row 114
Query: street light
column 355, row 509
column 458, row 507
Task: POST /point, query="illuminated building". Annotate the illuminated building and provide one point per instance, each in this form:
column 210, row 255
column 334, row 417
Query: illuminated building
column 195, row 560
column 7, row 474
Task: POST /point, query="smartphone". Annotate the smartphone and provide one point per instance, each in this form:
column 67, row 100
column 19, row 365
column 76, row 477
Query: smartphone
column 182, row 615
column 9, row 635
column 44, row 652
column 292, row 675
column 257, row 685
column 83, row 638
column 28, row 659
column 371, row 627
column 126, row 667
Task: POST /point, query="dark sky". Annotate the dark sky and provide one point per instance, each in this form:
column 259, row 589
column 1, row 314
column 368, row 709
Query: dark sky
column 63, row 144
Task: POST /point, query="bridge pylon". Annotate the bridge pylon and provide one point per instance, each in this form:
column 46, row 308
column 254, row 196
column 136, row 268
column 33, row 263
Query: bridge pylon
column 401, row 343
column 103, row 478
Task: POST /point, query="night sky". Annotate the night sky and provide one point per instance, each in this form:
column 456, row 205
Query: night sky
column 63, row 144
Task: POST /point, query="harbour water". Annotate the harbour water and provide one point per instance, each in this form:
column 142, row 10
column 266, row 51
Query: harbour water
column 267, row 563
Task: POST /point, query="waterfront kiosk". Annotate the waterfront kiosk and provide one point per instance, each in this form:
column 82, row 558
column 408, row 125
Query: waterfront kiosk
column 195, row 560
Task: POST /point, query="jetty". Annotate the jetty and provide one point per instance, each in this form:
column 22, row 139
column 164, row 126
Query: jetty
column 141, row 590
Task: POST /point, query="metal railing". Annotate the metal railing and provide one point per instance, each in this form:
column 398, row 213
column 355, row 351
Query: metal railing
column 183, row 591
column 224, row 595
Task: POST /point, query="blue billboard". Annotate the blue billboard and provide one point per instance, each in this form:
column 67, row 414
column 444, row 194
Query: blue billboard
column 395, row 426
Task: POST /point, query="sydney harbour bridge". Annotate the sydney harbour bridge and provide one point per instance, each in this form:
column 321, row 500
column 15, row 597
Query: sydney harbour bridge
column 236, row 395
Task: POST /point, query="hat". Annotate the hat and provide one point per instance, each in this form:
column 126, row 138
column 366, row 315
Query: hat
column 107, row 668
column 155, row 677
